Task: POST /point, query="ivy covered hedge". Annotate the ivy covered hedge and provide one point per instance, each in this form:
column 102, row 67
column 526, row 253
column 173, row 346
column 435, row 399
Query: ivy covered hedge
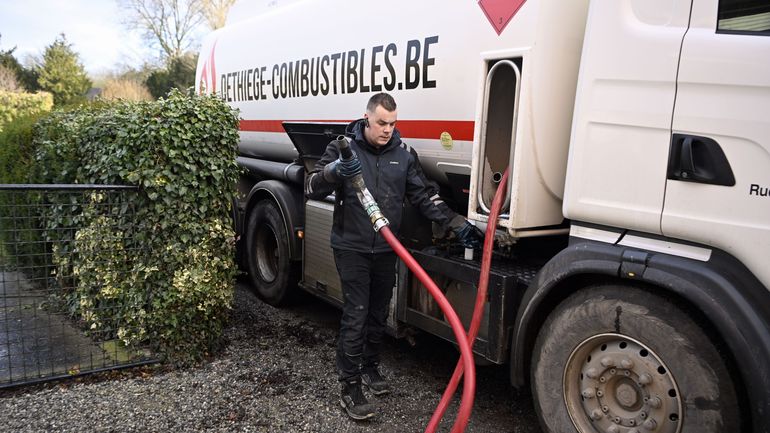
column 170, row 282
column 14, row 105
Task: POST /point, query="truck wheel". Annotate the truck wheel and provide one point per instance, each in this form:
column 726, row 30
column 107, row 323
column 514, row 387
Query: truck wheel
column 619, row 359
column 269, row 265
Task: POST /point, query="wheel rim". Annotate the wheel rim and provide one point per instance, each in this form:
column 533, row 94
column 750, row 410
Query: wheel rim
column 615, row 384
column 267, row 254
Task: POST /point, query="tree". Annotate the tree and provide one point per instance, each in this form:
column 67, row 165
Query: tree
column 62, row 74
column 215, row 12
column 125, row 89
column 172, row 26
column 169, row 25
column 26, row 77
column 8, row 81
column 139, row 74
column 179, row 74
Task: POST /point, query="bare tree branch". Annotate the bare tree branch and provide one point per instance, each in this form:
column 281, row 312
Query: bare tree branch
column 169, row 25
column 215, row 12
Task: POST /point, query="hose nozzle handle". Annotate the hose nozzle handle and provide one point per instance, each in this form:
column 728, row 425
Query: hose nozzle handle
column 345, row 151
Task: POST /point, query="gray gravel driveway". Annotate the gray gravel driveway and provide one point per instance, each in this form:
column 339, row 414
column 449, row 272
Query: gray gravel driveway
column 275, row 375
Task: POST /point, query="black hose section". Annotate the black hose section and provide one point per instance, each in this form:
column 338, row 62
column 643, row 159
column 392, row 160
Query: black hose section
column 262, row 169
column 345, row 151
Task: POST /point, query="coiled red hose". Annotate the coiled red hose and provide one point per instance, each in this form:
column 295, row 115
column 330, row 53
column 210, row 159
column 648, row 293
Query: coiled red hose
column 466, row 358
column 481, row 298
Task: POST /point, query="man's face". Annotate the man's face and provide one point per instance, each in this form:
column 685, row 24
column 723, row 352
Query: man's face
column 381, row 125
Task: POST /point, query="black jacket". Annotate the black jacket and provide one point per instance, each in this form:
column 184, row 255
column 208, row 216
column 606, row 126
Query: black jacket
column 390, row 174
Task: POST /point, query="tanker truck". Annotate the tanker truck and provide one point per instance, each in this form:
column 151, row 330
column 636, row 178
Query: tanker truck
column 629, row 286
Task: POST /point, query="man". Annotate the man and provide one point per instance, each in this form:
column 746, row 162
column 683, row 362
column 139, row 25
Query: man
column 365, row 262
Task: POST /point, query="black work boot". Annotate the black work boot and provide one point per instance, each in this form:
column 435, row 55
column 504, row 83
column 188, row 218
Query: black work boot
column 374, row 381
column 354, row 402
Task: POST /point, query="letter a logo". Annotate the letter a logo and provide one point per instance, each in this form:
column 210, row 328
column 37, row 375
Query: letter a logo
column 500, row 12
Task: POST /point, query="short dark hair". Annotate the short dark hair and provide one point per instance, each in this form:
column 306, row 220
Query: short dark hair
column 383, row 99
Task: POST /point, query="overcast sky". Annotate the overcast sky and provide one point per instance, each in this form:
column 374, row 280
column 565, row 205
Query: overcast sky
column 93, row 27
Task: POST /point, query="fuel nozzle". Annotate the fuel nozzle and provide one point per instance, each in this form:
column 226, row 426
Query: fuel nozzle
column 364, row 196
column 343, row 145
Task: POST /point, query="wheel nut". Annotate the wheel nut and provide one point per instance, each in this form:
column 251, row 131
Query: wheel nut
column 600, row 393
column 605, row 409
column 596, row 414
column 650, row 424
column 589, row 393
column 608, row 361
column 592, row 373
column 627, row 363
column 612, row 371
column 655, row 402
column 645, row 379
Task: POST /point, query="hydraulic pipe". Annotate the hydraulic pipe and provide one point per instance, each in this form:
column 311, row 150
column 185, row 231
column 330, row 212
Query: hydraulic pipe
column 292, row 172
column 380, row 224
column 481, row 298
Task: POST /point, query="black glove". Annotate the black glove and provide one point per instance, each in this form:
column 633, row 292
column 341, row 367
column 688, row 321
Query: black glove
column 469, row 235
column 339, row 169
column 349, row 168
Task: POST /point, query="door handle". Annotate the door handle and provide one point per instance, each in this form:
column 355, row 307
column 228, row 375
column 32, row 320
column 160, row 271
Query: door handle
column 698, row 159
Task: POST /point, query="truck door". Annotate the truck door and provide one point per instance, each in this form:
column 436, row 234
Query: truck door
column 718, row 181
column 616, row 172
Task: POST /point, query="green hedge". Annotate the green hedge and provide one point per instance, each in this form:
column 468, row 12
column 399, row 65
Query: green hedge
column 14, row 105
column 181, row 151
column 17, row 154
column 19, row 241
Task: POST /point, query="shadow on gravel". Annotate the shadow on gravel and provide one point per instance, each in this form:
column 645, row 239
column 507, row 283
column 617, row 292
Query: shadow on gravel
column 427, row 367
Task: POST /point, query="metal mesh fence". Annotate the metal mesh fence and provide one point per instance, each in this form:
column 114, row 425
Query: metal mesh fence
column 65, row 252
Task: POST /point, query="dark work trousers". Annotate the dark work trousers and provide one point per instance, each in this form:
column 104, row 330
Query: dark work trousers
column 367, row 286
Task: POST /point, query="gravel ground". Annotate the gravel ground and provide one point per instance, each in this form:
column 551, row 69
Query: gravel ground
column 275, row 375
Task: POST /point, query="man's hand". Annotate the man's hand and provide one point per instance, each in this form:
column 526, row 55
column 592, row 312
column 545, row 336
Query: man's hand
column 469, row 235
column 339, row 169
column 349, row 168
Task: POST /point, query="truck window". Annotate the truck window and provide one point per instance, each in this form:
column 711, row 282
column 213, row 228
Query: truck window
column 744, row 17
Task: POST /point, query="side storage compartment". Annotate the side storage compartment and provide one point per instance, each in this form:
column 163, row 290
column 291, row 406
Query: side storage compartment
column 458, row 278
column 319, row 273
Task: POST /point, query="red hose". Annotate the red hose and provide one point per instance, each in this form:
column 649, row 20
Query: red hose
column 481, row 298
column 466, row 360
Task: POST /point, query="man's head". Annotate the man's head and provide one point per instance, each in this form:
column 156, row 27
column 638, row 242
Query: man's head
column 380, row 119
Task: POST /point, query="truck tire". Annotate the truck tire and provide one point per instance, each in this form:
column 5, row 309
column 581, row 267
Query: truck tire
column 270, row 268
column 620, row 359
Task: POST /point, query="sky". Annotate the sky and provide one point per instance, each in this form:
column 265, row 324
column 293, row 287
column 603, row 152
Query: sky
column 92, row 27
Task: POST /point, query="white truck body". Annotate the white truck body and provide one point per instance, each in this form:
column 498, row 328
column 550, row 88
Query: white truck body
column 449, row 52
column 636, row 229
